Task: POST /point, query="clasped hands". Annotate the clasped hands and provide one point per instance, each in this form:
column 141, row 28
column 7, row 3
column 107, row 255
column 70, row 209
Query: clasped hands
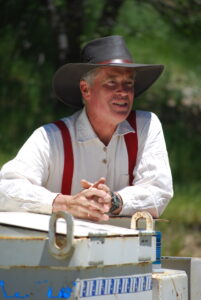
column 92, row 203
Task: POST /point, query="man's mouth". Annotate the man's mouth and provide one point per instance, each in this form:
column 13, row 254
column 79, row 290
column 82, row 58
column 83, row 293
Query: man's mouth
column 120, row 103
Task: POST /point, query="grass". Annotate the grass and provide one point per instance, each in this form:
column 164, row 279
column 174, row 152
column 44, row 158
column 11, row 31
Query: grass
column 185, row 206
column 181, row 235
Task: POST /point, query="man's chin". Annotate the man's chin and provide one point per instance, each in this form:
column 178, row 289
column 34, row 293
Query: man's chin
column 121, row 115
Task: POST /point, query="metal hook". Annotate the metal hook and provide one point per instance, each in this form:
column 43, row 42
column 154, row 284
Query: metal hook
column 67, row 243
column 142, row 215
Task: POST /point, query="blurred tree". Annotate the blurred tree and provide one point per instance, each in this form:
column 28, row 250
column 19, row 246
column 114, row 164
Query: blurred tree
column 184, row 15
column 54, row 28
column 36, row 38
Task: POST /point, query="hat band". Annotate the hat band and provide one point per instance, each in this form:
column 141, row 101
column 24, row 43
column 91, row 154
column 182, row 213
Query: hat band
column 115, row 61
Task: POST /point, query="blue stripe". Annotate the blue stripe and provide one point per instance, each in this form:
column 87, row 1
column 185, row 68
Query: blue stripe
column 134, row 284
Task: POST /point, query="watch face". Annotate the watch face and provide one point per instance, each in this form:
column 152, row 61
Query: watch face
column 116, row 202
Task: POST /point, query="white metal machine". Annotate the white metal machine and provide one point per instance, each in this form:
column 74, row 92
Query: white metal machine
column 58, row 257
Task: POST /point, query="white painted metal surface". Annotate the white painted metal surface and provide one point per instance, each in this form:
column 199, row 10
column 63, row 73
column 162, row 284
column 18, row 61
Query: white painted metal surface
column 96, row 261
column 103, row 261
column 82, row 228
column 92, row 244
column 192, row 266
column 195, row 278
column 170, row 285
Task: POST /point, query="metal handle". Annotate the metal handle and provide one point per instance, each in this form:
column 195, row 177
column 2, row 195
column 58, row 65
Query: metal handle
column 142, row 215
column 63, row 247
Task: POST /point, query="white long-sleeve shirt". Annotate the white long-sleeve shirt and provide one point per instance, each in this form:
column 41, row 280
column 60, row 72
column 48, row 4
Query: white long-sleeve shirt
column 32, row 180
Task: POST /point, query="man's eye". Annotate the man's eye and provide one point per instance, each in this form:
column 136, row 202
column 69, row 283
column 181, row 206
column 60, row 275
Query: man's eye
column 130, row 84
column 111, row 83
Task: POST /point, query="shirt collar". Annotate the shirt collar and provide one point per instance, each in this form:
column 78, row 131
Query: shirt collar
column 85, row 132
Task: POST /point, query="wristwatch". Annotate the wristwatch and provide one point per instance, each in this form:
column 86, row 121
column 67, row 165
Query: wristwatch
column 116, row 202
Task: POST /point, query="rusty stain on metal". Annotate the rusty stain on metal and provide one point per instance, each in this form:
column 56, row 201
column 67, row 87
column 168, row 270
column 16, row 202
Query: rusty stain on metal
column 160, row 275
column 67, row 268
column 142, row 215
column 78, row 268
column 29, row 238
column 160, row 278
column 60, row 241
column 96, row 263
column 175, row 289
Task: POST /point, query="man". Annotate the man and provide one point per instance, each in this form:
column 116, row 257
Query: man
column 103, row 159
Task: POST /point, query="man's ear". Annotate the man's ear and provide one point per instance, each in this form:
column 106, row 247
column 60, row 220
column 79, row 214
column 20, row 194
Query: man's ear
column 85, row 89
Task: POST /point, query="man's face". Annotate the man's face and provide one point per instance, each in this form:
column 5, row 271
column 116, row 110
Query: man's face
column 110, row 95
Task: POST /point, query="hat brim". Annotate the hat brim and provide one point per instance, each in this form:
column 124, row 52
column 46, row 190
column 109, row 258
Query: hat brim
column 66, row 79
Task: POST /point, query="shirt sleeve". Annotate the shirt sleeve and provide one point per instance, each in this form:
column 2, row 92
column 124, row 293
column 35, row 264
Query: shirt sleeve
column 152, row 185
column 22, row 179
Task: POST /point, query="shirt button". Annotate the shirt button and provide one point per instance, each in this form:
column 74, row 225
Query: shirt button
column 105, row 149
column 104, row 161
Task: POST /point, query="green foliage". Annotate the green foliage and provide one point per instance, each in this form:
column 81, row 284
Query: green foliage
column 184, row 145
column 185, row 207
column 181, row 235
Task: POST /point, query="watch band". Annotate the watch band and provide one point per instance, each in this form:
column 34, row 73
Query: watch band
column 116, row 202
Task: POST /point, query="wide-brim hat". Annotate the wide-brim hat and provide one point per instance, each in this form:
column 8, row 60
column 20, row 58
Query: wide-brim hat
column 106, row 51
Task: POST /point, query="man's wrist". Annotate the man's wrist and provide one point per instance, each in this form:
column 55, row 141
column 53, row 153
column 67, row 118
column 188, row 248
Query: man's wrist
column 116, row 203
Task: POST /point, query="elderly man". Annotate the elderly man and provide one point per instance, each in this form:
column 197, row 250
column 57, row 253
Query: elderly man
column 104, row 159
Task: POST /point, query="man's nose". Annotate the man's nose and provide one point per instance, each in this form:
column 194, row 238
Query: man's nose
column 122, row 88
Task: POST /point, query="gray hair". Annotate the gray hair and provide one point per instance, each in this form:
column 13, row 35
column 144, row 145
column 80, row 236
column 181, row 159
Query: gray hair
column 89, row 76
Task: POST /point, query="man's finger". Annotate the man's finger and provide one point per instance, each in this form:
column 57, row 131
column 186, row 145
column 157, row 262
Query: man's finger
column 88, row 200
column 100, row 181
column 103, row 187
column 93, row 193
column 86, row 184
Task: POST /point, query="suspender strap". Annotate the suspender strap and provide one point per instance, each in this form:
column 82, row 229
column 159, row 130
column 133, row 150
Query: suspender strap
column 68, row 158
column 132, row 145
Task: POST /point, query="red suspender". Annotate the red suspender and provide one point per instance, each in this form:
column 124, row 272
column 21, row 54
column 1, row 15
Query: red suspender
column 132, row 145
column 68, row 158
